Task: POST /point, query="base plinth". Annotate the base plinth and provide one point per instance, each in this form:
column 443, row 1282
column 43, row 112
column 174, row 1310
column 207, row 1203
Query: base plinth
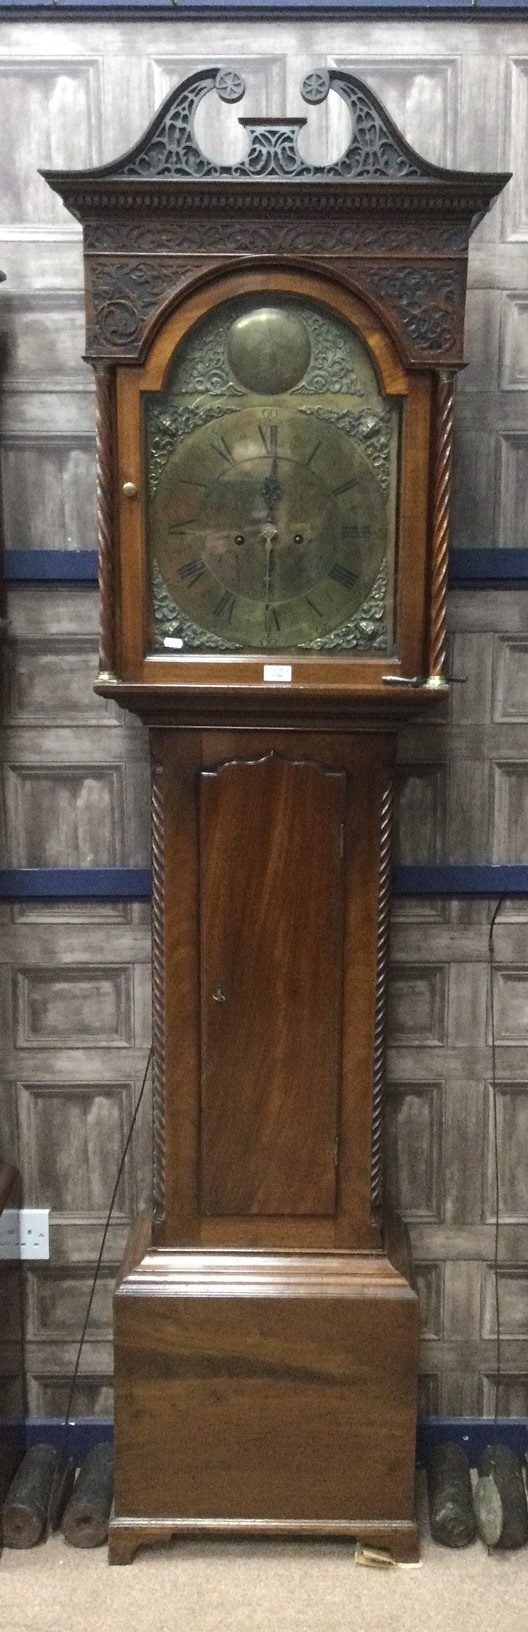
column 265, row 1395
column 126, row 1535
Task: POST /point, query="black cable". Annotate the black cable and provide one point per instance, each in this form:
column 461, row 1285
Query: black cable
column 102, row 1247
column 498, row 1377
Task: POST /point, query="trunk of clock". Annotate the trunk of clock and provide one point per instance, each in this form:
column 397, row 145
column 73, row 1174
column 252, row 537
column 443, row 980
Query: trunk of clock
column 266, row 1333
column 271, row 873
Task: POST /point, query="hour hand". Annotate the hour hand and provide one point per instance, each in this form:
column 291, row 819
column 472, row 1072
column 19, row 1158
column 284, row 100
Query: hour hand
column 269, row 539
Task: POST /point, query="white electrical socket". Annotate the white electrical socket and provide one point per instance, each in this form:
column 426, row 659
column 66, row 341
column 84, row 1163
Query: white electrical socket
column 24, row 1232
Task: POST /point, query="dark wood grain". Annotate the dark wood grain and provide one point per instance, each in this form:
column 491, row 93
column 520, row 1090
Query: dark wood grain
column 382, row 976
column 443, row 458
column 255, row 1393
column 248, row 1112
column 287, row 1383
column 106, row 519
column 165, row 199
column 271, row 981
column 323, row 674
column 158, row 992
column 397, row 1537
column 374, row 708
column 181, row 757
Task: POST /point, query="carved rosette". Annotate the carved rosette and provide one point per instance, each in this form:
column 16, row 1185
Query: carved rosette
column 105, row 435
column 427, row 302
column 443, row 452
column 376, row 1169
column 166, row 198
column 158, row 994
column 123, row 295
column 170, row 148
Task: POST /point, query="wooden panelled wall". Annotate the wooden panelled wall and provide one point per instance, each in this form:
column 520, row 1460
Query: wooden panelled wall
column 74, row 980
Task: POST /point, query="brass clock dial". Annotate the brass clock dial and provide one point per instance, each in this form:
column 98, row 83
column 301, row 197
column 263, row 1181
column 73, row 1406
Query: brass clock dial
column 273, row 467
column 269, row 525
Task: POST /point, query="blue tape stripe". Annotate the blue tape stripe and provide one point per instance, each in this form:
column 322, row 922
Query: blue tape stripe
column 506, row 568
column 460, row 880
column 262, row 8
column 134, row 883
column 83, row 1434
column 44, row 566
column 472, row 1433
column 75, row 883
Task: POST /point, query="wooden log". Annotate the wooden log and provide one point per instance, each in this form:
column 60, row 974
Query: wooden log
column 504, row 1466
column 451, row 1512
column 85, row 1520
column 25, row 1510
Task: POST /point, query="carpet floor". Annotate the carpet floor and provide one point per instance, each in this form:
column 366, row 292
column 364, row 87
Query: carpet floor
column 193, row 1586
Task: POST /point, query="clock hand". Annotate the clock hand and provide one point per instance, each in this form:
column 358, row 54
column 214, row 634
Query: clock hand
column 269, row 538
column 271, row 488
column 270, row 571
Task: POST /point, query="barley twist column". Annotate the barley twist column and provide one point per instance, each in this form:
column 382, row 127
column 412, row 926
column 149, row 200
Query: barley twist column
column 105, row 450
column 443, row 450
column 376, row 1170
column 158, row 995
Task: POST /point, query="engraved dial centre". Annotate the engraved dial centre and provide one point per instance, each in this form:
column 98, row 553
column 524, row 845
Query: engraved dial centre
column 293, row 522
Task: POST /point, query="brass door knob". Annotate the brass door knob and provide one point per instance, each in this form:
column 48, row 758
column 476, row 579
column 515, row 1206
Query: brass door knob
column 219, row 996
column 130, row 490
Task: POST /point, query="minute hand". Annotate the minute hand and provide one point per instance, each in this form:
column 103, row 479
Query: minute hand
column 271, row 487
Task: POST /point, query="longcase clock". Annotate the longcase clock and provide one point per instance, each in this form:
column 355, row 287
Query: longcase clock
column 274, row 346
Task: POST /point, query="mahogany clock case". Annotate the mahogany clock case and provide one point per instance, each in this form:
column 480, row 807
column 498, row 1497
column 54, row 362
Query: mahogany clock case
column 319, row 670
column 272, row 864
column 265, row 1394
column 266, row 1320
column 266, row 1324
column 381, row 236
